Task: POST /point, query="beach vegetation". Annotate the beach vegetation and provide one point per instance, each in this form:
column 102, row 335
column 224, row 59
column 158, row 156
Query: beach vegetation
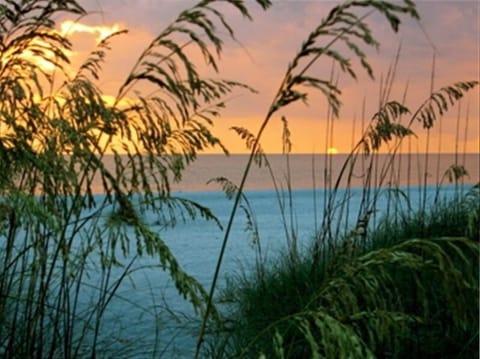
column 64, row 213
column 402, row 284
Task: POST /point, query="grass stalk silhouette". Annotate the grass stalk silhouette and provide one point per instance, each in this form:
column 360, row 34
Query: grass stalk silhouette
column 297, row 74
column 56, row 130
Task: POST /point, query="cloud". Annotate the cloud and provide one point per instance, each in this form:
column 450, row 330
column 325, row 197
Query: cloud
column 69, row 27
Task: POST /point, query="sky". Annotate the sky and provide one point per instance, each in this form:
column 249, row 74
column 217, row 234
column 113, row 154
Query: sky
column 266, row 45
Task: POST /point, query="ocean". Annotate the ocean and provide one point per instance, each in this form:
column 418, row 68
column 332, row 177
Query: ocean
column 148, row 318
column 148, row 301
column 313, row 171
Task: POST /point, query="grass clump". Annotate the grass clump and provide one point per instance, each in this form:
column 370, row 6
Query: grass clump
column 457, row 217
column 65, row 215
column 403, row 286
column 72, row 226
column 407, row 290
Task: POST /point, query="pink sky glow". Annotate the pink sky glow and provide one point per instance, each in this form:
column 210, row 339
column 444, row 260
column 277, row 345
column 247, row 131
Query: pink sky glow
column 267, row 44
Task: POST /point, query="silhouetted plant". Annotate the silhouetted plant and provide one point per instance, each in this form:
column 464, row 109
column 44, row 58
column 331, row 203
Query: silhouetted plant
column 55, row 129
column 341, row 319
column 56, row 227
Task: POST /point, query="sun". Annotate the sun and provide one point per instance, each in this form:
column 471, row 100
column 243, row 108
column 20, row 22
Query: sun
column 332, row 151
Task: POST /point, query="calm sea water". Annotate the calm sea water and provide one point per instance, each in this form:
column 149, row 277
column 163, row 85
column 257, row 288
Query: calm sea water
column 142, row 302
column 309, row 171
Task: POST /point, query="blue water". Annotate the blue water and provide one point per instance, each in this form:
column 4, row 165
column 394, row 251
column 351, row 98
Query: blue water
column 148, row 300
column 196, row 245
column 148, row 318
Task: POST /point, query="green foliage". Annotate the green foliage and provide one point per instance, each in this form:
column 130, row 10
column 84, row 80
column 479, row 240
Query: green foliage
column 341, row 26
column 451, row 218
column 359, row 305
column 56, row 129
column 386, row 129
column 391, row 298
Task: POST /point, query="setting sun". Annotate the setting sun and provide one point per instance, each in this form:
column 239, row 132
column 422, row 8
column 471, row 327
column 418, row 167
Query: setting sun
column 316, row 164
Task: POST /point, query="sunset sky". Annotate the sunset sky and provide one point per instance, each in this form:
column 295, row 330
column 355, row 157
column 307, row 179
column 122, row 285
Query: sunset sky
column 267, row 44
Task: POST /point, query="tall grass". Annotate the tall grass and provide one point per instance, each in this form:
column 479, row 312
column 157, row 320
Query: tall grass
column 56, row 229
column 56, row 127
column 341, row 25
column 404, row 284
column 382, row 287
column 407, row 287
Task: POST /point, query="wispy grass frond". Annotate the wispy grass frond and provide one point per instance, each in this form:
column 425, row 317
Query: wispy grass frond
column 441, row 101
column 368, row 305
column 455, row 173
column 53, row 146
column 251, row 227
column 342, row 26
column 385, row 126
column 251, row 143
column 93, row 64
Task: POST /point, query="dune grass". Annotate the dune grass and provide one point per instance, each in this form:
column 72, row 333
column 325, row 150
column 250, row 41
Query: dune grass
column 409, row 290
column 377, row 296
